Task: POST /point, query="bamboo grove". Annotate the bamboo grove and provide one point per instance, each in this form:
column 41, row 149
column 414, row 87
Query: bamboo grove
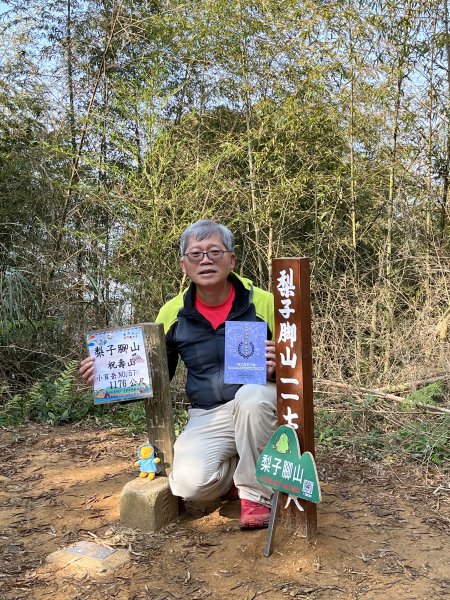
column 313, row 128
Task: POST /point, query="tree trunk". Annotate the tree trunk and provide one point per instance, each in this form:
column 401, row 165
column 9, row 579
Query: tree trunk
column 352, row 154
column 445, row 188
column 399, row 76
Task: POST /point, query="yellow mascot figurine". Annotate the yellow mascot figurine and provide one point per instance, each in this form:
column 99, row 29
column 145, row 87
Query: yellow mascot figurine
column 147, row 462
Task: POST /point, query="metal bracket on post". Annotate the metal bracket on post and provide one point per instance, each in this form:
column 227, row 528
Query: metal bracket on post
column 268, row 548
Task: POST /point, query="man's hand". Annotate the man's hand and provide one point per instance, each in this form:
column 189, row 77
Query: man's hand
column 270, row 358
column 86, row 369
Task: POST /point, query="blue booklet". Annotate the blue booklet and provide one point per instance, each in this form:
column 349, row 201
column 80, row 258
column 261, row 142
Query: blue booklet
column 245, row 352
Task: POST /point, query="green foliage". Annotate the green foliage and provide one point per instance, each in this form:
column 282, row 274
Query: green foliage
column 308, row 128
column 51, row 400
column 330, row 427
column 430, row 394
column 180, row 418
column 30, row 356
column 356, row 426
column 427, row 440
column 130, row 416
column 57, row 401
column 364, row 429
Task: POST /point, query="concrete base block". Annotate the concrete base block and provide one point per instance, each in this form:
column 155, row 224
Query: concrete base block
column 147, row 505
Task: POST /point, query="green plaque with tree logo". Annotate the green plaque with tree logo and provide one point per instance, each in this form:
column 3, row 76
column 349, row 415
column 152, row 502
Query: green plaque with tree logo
column 282, row 467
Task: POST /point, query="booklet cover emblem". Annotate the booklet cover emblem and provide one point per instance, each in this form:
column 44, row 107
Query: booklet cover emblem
column 245, row 352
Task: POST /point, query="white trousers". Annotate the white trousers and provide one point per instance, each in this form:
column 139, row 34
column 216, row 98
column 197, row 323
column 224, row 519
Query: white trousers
column 223, row 444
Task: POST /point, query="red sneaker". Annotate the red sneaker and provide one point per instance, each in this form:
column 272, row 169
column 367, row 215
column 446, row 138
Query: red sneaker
column 254, row 515
column 232, row 494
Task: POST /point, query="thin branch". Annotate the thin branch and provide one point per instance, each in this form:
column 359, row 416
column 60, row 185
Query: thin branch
column 379, row 394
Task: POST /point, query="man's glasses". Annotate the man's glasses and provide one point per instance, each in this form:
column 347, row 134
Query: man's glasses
column 213, row 255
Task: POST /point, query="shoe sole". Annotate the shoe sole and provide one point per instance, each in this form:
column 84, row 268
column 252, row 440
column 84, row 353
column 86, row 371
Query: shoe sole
column 257, row 524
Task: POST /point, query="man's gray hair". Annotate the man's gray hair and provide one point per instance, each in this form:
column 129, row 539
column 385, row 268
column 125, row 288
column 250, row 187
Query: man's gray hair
column 203, row 230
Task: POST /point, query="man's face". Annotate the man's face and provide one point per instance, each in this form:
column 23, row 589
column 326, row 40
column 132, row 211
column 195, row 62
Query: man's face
column 207, row 272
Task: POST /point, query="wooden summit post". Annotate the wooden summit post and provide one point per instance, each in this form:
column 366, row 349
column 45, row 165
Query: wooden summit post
column 158, row 410
column 146, row 504
column 292, row 336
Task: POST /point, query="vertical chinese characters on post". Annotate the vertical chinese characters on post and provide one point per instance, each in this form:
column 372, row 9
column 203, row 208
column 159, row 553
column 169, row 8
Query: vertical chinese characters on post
column 287, row 338
column 297, row 476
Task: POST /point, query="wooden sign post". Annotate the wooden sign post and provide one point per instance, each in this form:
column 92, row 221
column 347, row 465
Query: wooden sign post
column 291, row 290
column 158, row 410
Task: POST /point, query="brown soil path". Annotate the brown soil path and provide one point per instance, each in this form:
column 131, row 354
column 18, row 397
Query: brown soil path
column 383, row 530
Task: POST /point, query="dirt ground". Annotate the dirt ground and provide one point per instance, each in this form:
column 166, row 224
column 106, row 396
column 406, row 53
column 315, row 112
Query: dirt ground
column 383, row 530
